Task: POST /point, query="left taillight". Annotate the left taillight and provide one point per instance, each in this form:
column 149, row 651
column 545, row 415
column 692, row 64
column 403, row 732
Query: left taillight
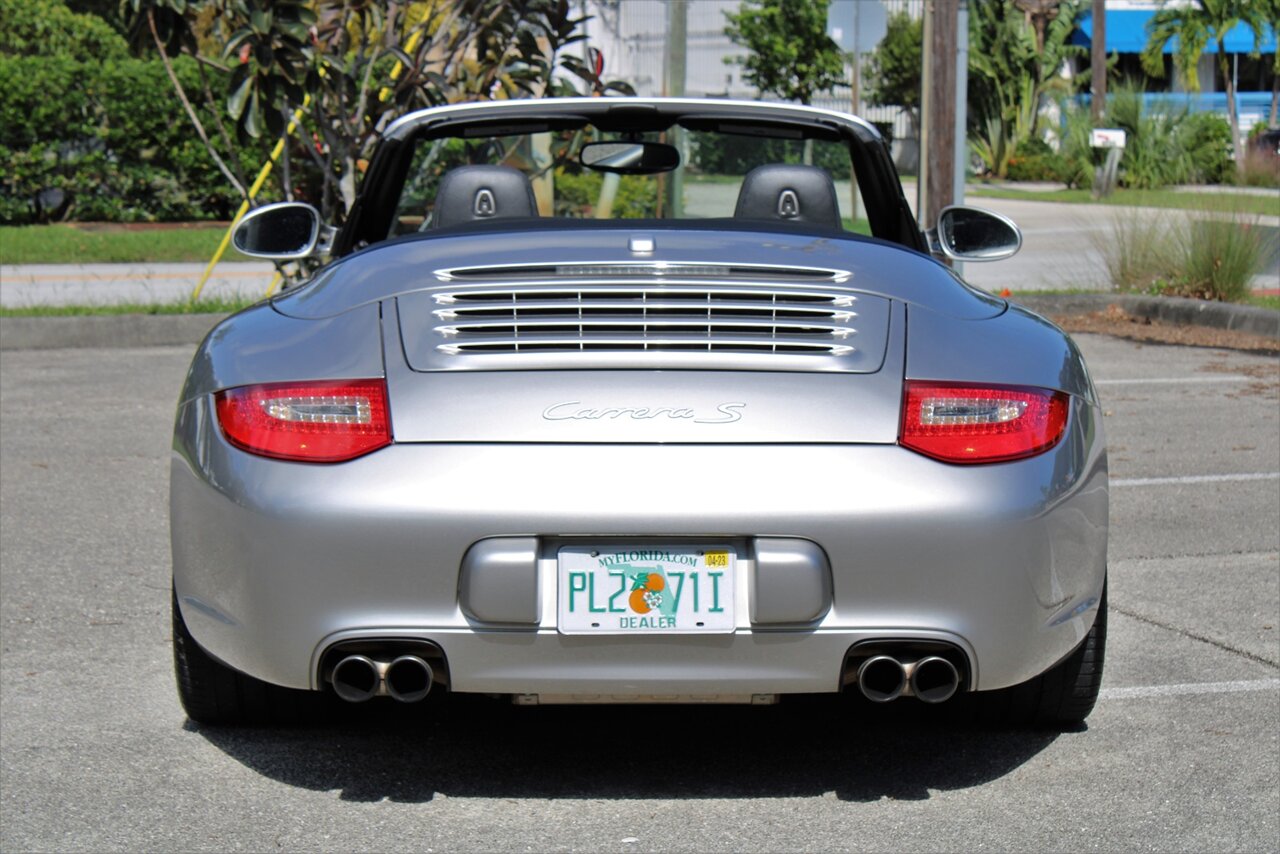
column 318, row 422
column 964, row 423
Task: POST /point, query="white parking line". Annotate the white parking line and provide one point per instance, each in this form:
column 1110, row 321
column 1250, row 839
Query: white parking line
column 1221, row 378
column 1195, row 478
column 1189, row 689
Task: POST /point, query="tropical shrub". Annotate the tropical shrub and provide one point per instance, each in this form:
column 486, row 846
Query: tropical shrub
column 735, row 155
column 1010, row 76
column 1209, row 254
column 108, row 135
column 49, row 28
column 1034, row 160
column 577, row 195
column 1165, row 144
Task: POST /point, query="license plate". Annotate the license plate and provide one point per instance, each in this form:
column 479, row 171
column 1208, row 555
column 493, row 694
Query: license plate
column 633, row 590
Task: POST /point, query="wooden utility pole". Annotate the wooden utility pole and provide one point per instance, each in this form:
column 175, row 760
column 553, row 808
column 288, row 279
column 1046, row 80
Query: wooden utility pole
column 1098, row 62
column 673, row 85
column 938, row 163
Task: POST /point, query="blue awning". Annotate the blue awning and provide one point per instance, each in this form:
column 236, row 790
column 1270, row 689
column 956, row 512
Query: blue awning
column 1127, row 33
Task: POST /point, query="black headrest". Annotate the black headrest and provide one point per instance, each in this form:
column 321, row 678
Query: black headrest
column 789, row 193
column 471, row 193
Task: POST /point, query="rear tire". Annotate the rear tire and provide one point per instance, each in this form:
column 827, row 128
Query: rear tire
column 212, row 693
column 1061, row 697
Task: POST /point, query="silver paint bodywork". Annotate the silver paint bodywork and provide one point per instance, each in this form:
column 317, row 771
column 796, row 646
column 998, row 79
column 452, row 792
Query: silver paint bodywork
column 450, row 534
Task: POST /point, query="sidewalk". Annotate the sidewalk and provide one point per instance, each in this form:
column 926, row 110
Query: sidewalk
column 100, row 284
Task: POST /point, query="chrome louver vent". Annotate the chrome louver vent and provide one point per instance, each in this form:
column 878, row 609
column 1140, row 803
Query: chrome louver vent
column 655, row 318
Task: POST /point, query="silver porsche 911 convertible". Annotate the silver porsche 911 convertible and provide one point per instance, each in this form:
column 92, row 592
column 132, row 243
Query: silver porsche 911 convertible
column 614, row 400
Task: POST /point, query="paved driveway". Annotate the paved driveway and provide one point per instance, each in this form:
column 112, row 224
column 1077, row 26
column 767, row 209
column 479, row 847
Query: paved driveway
column 1182, row 752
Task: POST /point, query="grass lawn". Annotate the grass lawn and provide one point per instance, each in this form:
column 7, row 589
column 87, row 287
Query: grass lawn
column 1225, row 201
column 203, row 306
column 88, row 243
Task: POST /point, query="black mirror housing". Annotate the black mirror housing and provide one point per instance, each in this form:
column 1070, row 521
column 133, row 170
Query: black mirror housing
column 630, row 158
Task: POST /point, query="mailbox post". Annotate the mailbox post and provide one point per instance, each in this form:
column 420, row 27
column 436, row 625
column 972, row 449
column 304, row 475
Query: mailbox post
column 1112, row 141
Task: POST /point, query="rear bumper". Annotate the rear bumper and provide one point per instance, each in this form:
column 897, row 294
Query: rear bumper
column 275, row 561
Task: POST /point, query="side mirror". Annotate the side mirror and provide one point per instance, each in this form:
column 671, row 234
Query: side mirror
column 281, row 232
column 974, row 234
column 630, row 158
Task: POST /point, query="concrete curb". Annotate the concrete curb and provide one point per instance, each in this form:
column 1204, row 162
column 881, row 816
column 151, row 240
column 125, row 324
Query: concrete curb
column 1173, row 311
column 161, row 330
column 108, row 330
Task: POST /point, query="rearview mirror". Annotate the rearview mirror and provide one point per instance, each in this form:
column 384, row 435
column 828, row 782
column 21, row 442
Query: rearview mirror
column 281, row 232
column 630, row 158
column 974, row 234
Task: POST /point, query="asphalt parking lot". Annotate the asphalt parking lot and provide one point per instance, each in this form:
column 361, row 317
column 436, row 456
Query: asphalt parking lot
column 1182, row 752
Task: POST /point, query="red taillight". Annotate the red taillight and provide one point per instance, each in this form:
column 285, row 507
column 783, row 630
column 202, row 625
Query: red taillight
column 961, row 423
column 318, row 422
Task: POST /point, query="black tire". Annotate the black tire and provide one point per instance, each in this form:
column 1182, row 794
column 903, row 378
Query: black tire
column 1061, row 697
column 212, row 693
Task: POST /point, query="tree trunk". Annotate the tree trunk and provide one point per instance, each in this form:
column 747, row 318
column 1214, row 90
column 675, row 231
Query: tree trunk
column 1225, row 67
column 1275, row 101
column 1098, row 63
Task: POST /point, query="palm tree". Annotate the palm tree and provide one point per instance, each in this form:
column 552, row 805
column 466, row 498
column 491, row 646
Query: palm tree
column 1271, row 14
column 1193, row 25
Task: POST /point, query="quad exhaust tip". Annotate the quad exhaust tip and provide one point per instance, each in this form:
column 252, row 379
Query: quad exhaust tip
column 934, row 679
column 358, row 678
column 883, row 678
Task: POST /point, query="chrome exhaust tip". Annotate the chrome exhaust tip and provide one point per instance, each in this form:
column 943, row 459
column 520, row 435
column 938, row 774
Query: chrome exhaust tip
column 408, row 678
column 356, row 678
column 934, row 679
column 882, row 678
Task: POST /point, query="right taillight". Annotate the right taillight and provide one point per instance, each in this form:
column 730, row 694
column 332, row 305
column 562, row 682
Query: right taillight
column 966, row 423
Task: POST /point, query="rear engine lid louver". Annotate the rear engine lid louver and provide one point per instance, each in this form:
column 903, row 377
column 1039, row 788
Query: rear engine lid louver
column 676, row 324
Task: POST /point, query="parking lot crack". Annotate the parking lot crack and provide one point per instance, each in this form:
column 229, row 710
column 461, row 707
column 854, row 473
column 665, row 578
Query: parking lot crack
column 1226, row 647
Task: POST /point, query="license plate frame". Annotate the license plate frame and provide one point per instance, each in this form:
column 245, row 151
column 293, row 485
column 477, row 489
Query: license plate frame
column 606, row 589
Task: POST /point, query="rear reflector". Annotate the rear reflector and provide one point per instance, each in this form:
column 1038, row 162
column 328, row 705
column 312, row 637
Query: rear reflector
column 960, row 423
column 319, row 422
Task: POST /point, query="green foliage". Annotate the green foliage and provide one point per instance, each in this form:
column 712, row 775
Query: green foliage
column 736, row 155
column 1163, row 147
column 789, row 54
column 577, row 195
column 1009, row 77
column 49, row 28
column 271, row 48
column 1153, row 154
column 1210, row 254
column 893, row 69
column 1191, row 27
column 349, row 69
column 108, row 134
column 1034, row 160
column 1223, row 256
column 1207, row 140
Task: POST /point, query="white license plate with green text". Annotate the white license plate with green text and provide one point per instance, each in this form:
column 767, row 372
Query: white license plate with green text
column 646, row 589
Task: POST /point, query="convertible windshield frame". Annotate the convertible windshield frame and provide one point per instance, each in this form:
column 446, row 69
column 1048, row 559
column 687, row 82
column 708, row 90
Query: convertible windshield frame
column 889, row 216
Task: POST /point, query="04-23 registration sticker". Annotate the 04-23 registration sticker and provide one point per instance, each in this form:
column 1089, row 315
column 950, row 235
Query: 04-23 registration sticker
column 645, row 589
